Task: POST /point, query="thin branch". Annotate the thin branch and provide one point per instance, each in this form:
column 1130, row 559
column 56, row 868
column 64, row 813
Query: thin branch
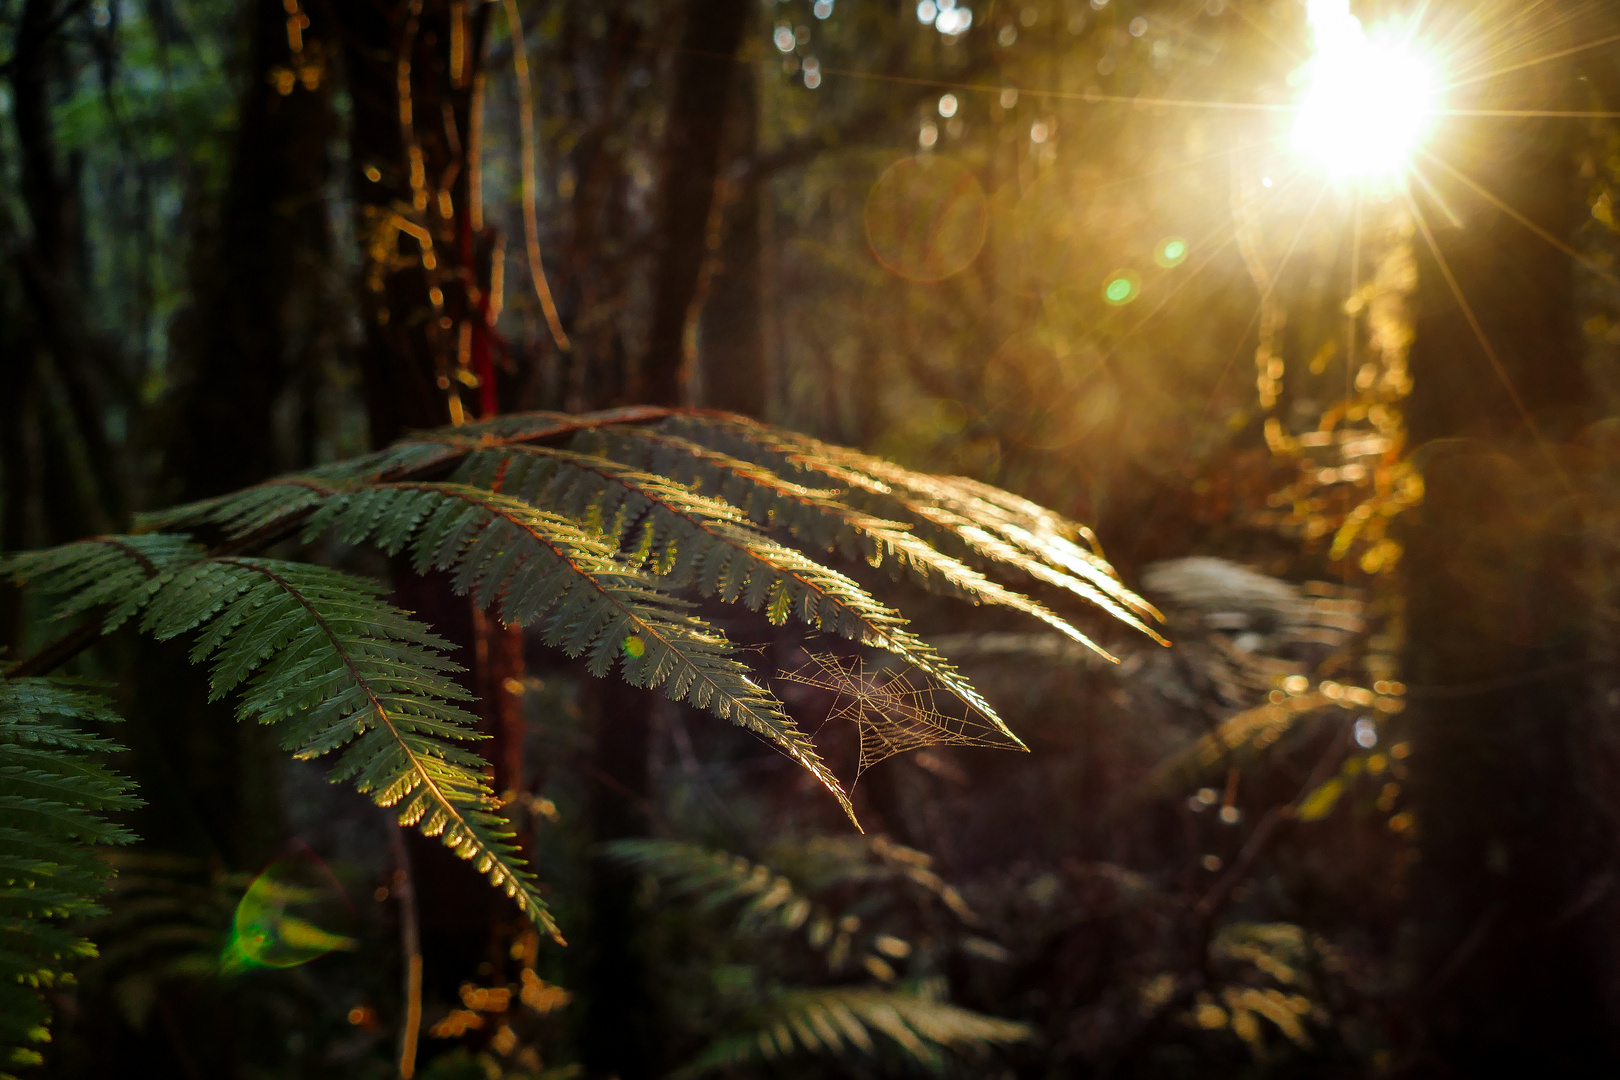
column 1268, row 829
column 410, row 939
column 526, row 150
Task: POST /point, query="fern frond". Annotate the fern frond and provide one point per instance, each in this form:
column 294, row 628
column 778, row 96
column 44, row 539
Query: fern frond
column 285, row 498
column 715, row 879
column 704, row 544
column 833, row 860
column 646, row 504
column 950, row 512
column 544, row 570
column 847, row 1022
column 52, row 798
column 243, row 512
column 107, row 570
column 819, row 519
column 337, row 668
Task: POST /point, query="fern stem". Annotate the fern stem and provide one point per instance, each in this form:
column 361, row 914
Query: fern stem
column 71, row 644
column 60, row 651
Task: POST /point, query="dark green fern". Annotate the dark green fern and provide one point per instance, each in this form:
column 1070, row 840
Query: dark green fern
column 857, row 1022
column 883, row 1017
column 327, row 659
column 53, row 794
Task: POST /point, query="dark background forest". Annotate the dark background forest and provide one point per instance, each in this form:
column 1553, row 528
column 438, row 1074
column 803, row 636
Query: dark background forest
column 1357, row 440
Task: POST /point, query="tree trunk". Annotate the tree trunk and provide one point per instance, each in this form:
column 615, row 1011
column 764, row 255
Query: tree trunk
column 238, row 339
column 1518, row 965
column 620, row 1036
column 80, row 485
column 734, row 374
column 415, row 72
column 704, row 76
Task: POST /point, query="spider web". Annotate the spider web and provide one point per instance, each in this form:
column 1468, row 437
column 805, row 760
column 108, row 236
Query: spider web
column 892, row 713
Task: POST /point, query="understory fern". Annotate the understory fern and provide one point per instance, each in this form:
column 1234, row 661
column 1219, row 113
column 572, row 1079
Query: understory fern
column 53, row 794
column 883, row 1016
column 857, row 1022
column 604, row 533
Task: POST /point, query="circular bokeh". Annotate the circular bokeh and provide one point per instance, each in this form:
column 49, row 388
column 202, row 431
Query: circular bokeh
column 1171, row 252
column 1036, row 237
column 1121, row 287
column 925, row 218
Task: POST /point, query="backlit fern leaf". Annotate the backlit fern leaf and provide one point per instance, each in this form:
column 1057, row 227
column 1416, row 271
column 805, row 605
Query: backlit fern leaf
column 818, row 518
column 942, row 521
column 857, row 1022
column 52, row 797
column 544, row 570
column 337, row 668
column 617, row 513
column 707, row 545
column 947, row 511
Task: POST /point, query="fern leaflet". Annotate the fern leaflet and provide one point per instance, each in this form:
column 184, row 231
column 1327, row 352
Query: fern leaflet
column 337, row 668
column 544, row 570
column 707, row 545
column 818, row 518
column 52, row 797
column 948, row 510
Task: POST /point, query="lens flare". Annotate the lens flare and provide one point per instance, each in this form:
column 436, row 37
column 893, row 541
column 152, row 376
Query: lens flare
column 280, row 918
column 1121, row 288
column 1172, row 252
column 1369, row 99
column 926, row 218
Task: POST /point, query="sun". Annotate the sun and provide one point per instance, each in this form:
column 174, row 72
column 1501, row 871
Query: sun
column 1369, row 100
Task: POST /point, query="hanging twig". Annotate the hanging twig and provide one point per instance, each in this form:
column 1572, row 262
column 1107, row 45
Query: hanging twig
column 1270, row 827
column 531, row 225
column 410, row 938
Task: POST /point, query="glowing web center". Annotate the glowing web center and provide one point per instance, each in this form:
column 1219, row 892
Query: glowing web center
column 1369, row 101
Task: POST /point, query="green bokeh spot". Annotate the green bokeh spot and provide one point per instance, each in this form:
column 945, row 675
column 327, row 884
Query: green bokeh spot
column 1172, row 252
column 1121, row 289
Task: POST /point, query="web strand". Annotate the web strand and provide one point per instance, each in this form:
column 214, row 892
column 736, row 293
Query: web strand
column 891, row 713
